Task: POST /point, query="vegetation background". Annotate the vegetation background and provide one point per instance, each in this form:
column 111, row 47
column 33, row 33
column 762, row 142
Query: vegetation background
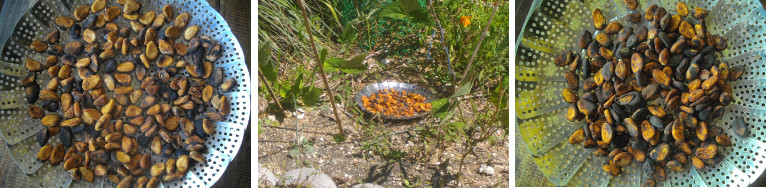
column 458, row 50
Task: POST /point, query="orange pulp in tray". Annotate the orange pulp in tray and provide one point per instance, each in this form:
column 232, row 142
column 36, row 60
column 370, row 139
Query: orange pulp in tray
column 390, row 102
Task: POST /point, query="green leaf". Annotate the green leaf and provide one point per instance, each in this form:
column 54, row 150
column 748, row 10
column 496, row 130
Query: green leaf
column 322, row 54
column 394, row 11
column 355, row 65
column 267, row 69
column 294, row 152
column 264, row 65
column 264, row 52
column 465, row 89
column 309, row 150
column 310, row 95
column 283, row 90
column 349, row 34
column 333, row 64
column 332, row 10
column 440, row 107
column 420, row 17
column 410, row 5
column 338, row 138
column 458, row 125
column 297, row 84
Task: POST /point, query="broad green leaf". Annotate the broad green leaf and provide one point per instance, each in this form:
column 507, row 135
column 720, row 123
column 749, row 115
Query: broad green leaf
column 283, row 90
column 333, row 64
column 310, row 95
column 267, row 69
column 349, row 34
column 394, row 11
column 297, row 84
column 309, row 149
column 410, row 5
column 440, row 107
column 264, row 65
column 264, row 52
column 294, row 152
column 355, row 65
column 338, row 138
column 465, row 89
column 421, row 17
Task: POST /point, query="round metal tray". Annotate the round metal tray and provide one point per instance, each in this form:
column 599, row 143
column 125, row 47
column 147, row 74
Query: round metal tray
column 540, row 111
column 18, row 129
column 372, row 88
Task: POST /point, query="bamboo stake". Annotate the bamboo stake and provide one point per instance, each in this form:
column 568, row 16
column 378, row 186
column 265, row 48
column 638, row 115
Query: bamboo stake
column 475, row 50
column 321, row 69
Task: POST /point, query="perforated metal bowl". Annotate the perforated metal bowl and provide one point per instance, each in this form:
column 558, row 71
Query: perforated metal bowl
column 18, row 129
column 540, row 111
column 409, row 88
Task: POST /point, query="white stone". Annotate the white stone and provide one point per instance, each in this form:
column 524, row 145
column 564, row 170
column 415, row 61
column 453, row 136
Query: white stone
column 265, row 177
column 487, row 170
column 306, row 177
column 299, row 113
column 262, row 104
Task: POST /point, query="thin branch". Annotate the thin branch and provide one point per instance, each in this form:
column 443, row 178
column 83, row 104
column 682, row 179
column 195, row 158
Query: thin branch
column 394, row 133
column 274, row 96
column 444, row 45
column 476, row 50
column 321, row 69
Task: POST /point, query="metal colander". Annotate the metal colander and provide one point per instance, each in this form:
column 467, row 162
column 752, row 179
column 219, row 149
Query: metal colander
column 368, row 90
column 554, row 26
column 19, row 130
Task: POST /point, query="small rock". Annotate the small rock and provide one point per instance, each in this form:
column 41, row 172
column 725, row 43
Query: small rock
column 487, row 170
column 265, row 177
column 299, row 113
column 306, row 177
column 262, row 104
column 367, row 185
column 271, row 117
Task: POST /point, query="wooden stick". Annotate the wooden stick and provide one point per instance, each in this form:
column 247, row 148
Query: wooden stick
column 321, row 69
column 475, row 50
column 274, row 96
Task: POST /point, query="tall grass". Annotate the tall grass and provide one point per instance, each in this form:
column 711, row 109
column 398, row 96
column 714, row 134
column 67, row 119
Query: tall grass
column 280, row 22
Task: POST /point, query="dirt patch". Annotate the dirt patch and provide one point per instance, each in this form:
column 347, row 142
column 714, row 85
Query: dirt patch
column 349, row 164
